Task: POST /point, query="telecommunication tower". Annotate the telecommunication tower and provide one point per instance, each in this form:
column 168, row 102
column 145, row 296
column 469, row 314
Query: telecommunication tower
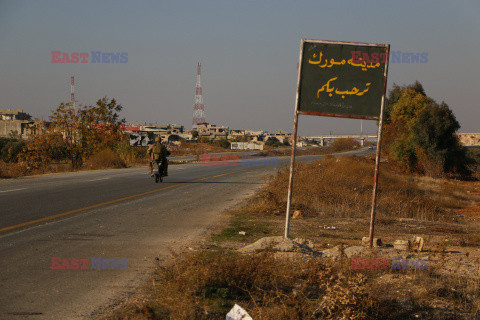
column 198, row 109
column 72, row 91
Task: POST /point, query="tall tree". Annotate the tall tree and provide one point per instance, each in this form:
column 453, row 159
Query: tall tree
column 76, row 133
column 420, row 134
column 434, row 134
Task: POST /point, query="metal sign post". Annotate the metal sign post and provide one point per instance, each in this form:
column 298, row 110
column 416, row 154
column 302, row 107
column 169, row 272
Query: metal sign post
column 340, row 79
column 377, row 157
column 294, row 148
column 290, row 178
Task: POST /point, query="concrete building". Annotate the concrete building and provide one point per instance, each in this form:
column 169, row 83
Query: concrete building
column 469, row 139
column 256, row 135
column 246, row 146
column 236, row 134
column 16, row 121
column 173, row 128
column 281, row 135
column 211, row 131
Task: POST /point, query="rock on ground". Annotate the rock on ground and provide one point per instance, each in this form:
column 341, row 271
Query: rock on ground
column 278, row 243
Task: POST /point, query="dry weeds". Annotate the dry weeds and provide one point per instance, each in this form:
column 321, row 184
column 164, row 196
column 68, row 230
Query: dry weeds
column 206, row 286
column 333, row 191
column 342, row 186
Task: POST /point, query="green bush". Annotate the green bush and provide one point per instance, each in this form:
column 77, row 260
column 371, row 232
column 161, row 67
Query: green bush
column 272, row 142
column 204, row 140
column 223, row 143
column 10, row 148
column 420, row 135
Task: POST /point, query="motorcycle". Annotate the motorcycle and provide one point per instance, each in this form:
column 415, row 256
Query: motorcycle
column 157, row 170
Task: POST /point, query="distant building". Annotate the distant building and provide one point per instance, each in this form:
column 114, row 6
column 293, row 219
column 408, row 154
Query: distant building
column 174, row 128
column 469, row 139
column 16, row 121
column 145, row 135
column 246, row 146
column 236, row 133
column 14, row 114
column 281, row 135
column 211, row 131
column 255, row 136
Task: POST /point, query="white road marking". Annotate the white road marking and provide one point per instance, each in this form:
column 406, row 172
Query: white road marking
column 99, row 179
column 13, row 190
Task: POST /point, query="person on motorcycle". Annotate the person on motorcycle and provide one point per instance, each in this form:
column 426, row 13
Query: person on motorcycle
column 158, row 151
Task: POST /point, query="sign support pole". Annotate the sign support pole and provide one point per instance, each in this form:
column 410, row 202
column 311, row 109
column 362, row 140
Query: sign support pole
column 379, row 147
column 294, row 143
column 290, row 179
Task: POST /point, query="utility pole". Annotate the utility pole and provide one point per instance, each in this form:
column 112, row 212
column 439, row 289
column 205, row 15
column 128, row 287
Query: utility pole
column 72, row 91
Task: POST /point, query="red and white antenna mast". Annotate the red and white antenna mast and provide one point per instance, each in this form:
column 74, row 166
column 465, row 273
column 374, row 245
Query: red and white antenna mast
column 72, row 91
column 198, row 109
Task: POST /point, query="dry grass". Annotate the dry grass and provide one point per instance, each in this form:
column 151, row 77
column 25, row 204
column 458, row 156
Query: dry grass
column 287, row 151
column 21, row 169
column 475, row 170
column 11, row 170
column 343, row 144
column 105, row 159
column 342, row 187
column 206, row 286
column 195, row 148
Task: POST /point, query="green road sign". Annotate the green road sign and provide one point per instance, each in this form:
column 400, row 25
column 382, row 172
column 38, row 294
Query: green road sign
column 341, row 79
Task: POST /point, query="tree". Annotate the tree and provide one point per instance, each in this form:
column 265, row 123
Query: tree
column 10, row 147
column 394, row 95
column 194, row 134
column 99, row 125
column 245, row 138
column 76, row 134
column 420, row 134
column 224, row 143
column 272, row 141
column 434, row 134
column 175, row 137
column 203, row 140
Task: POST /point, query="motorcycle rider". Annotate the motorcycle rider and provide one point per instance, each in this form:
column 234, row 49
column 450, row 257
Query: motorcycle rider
column 158, row 151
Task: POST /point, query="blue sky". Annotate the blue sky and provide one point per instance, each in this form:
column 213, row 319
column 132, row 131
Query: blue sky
column 248, row 49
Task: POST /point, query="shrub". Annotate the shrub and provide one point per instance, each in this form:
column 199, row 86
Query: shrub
column 131, row 154
column 105, row 159
column 175, row 137
column 10, row 148
column 420, row 134
column 342, row 144
column 207, row 285
column 203, row 140
column 194, row 133
column 272, row 142
column 13, row 170
column 223, row 143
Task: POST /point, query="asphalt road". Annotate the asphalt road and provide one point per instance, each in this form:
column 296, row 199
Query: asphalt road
column 105, row 214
